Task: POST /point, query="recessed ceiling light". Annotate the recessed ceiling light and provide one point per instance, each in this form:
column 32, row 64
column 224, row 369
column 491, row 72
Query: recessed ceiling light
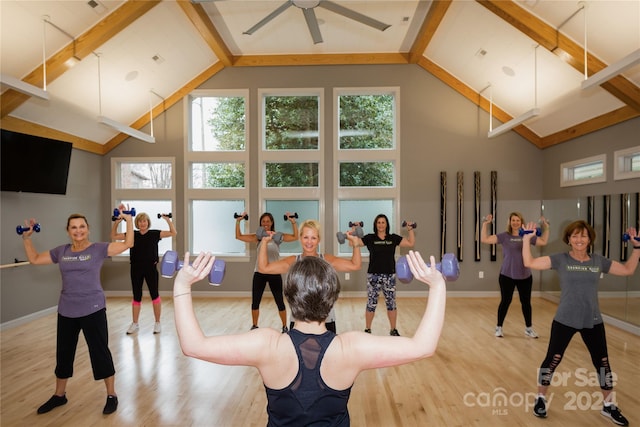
column 508, row 71
column 131, row 75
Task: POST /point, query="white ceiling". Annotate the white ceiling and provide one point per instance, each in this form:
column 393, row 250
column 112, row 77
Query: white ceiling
column 119, row 78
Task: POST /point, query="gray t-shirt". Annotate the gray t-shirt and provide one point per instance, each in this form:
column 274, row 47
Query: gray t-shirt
column 82, row 292
column 578, row 306
column 512, row 265
column 273, row 253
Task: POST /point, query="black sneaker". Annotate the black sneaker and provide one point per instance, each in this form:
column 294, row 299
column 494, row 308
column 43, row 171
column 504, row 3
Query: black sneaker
column 367, row 330
column 285, row 329
column 111, row 405
column 540, row 408
column 53, row 402
column 253, row 327
column 613, row 412
column 394, row 332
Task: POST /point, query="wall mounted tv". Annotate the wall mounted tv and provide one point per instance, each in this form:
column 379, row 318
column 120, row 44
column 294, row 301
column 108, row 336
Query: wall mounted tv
column 33, row 164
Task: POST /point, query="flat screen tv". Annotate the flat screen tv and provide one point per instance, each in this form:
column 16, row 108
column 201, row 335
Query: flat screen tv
column 33, row 164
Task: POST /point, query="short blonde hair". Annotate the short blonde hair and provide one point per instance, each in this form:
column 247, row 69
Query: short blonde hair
column 310, row 223
column 140, row 217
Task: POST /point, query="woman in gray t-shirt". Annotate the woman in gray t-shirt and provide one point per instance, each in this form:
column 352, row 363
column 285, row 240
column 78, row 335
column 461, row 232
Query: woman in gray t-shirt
column 578, row 311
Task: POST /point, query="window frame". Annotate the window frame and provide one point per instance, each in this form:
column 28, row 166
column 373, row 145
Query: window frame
column 292, row 156
column 622, row 167
column 362, row 155
column 118, row 194
column 190, row 157
column 567, row 169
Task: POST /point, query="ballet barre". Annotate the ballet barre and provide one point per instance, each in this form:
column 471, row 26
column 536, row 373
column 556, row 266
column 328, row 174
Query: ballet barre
column 15, row 263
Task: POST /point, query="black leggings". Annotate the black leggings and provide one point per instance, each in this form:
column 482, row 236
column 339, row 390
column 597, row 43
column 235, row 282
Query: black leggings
column 260, row 282
column 141, row 272
column 596, row 341
column 507, row 286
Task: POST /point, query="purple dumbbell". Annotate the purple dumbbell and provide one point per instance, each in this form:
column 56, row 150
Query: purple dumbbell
column 170, row 264
column 449, row 268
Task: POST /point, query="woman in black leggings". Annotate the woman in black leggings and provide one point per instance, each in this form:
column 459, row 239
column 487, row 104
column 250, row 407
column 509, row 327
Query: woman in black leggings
column 579, row 272
column 260, row 280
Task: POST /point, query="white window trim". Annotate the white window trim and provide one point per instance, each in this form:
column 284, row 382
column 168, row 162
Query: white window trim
column 190, row 157
column 293, row 156
column 620, row 170
column 390, row 155
column 566, row 168
column 142, row 193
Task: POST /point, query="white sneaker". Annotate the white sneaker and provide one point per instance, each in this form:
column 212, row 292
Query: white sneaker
column 499, row 333
column 133, row 328
column 529, row 332
column 157, row 328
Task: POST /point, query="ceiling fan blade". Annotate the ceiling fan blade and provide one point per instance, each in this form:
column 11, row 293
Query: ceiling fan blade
column 312, row 23
column 269, row 17
column 352, row 14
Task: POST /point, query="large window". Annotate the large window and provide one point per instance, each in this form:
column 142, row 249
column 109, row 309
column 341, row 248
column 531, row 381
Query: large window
column 146, row 185
column 293, row 163
column 217, row 159
column 291, row 156
column 367, row 158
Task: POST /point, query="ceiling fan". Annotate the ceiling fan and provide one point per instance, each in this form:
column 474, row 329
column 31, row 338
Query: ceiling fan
column 307, row 7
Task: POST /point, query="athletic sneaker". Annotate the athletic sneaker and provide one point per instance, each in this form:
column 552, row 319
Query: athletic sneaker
column 394, row 332
column 285, row 329
column 111, row 405
column 499, row 333
column 253, row 327
column 157, row 328
column 133, row 328
column 530, row 332
column 613, row 412
column 367, row 330
column 540, row 408
column 53, row 402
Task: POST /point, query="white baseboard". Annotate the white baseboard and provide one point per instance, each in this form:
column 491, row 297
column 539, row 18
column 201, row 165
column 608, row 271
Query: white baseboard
column 26, row 319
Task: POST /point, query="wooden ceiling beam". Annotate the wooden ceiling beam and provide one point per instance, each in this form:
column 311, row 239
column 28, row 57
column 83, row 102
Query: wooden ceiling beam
column 322, row 59
column 563, row 47
column 200, row 20
column 83, row 46
column 429, row 26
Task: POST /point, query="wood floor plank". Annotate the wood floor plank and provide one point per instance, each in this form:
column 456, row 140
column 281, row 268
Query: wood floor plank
column 474, row 379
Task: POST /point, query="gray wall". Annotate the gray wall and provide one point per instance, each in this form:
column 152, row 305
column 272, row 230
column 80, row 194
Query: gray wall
column 30, row 289
column 440, row 131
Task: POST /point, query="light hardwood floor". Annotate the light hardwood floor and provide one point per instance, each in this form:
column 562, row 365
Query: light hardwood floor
column 474, row 379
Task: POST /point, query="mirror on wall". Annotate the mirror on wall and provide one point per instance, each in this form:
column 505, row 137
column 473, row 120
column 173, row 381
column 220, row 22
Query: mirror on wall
column 619, row 297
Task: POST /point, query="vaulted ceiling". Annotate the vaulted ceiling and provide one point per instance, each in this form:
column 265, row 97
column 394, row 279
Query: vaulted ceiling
column 131, row 60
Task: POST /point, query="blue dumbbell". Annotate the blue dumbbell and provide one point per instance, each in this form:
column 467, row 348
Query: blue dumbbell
column 116, row 213
column 449, row 268
column 20, row 229
column 522, row 232
column 170, row 264
column 625, row 237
